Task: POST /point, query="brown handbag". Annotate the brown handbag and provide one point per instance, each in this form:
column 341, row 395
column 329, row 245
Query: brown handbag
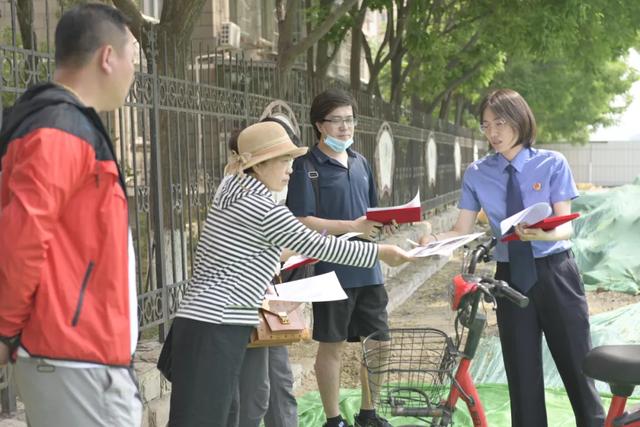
column 281, row 323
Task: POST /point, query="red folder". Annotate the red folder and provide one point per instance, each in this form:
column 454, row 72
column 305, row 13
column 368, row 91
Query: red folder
column 305, row 261
column 546, row 225
column 401, row 215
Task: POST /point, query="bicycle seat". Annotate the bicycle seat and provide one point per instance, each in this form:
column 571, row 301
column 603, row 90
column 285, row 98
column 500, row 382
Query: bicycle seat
column 614, row 364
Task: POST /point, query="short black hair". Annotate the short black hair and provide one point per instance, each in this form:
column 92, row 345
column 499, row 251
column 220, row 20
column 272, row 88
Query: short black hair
column 83, row 29
column 326, row 102
column 292, row 136
column 509, row 105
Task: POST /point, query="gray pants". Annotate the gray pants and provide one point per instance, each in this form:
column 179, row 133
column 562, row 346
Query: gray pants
column 265, row 390
column 56, row 396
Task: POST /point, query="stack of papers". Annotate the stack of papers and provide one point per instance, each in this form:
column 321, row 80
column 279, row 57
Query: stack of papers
column 297, row 261
column 535, row 216
column 530, row 215
column 325, row 287
column 409, row 212
column 443, row 247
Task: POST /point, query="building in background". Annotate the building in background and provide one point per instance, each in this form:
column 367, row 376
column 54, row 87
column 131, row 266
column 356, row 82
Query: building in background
column 603, row 163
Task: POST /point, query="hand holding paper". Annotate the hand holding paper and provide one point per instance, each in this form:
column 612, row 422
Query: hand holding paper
column 535, row 216
column 546, row 224
column 409, row 212
column 530, row 215
column 442, row 247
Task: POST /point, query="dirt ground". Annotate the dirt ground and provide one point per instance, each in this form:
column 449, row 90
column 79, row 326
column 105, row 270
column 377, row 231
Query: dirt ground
column 429, row 306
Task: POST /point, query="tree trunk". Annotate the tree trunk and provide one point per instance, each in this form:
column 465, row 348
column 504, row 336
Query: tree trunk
column 417, row 111
column 25, row 22
column 356, row 44
column 28, row 36
column 444, row 107
column 460, row 105
column 287, row 50
column 396, row 76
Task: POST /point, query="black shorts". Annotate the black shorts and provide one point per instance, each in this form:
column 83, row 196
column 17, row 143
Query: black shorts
column 361, row 314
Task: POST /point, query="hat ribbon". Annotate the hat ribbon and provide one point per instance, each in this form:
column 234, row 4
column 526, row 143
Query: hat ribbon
column 236, row 163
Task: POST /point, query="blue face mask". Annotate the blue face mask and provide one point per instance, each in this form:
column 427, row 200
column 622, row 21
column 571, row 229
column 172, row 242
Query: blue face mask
column 338, row 145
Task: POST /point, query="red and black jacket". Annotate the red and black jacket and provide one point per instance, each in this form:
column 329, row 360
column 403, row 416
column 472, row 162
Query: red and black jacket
column 64, row 279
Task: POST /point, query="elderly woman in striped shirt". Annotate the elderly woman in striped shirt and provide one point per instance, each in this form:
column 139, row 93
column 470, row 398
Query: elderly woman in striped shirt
column 238, row 254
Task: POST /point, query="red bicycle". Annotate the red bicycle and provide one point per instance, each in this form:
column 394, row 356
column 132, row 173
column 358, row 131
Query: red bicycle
column 618, row 366
column 422, row 372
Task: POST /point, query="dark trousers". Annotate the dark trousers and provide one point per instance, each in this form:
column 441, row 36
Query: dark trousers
column 557, row 308
column 206, row 362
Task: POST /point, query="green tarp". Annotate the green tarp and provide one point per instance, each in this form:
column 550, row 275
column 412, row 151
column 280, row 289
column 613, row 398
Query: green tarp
column 494, row 397
column 607, row 238
column 607, row 247
column 613, row 327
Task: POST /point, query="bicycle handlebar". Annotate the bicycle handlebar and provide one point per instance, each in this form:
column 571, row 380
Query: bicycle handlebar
column 501, row 289
column 480, row 253
column 491, row 288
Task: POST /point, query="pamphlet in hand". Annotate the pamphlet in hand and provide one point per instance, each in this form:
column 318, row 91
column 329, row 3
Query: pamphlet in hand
column 530, row 215
column 546, row 225
column 443, row 247
column 325, row 287
column 410, row 212
column 297, row 261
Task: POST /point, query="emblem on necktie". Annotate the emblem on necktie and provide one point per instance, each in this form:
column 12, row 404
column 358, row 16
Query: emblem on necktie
column 537, row 186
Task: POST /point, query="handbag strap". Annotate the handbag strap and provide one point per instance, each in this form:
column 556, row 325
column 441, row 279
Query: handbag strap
column 312, row 173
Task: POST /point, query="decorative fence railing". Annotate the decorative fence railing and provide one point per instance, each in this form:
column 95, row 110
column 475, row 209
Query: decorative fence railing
column 170, row 137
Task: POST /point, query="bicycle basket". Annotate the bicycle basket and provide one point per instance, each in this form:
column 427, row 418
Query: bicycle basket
column 410, row 370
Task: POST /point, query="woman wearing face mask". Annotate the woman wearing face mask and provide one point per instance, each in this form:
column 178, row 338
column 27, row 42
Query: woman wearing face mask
column 540, row 264
column 345, row 189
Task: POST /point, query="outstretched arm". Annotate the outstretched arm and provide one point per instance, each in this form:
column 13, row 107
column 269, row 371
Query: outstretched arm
column 464, row 225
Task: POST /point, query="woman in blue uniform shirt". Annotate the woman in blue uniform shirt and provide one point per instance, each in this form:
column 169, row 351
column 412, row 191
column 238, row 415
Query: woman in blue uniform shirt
column 540, row 265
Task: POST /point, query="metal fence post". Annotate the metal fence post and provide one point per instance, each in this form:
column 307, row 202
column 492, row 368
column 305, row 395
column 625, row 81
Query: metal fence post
column 8, row 404
column 245, row 88
column 156, row 179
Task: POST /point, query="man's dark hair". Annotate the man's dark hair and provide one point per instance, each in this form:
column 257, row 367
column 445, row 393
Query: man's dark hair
column 83, row 29
column 509, row 105
column 326, row 102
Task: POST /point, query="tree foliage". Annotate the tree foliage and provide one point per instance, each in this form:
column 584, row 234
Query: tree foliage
column 566, row 58
column 438, row 57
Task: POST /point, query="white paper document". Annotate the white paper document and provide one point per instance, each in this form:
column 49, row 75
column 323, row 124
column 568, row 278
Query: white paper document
column 300, row 260
column 414, row 203
column 531, row 215
column 325, row 287
column 443, row 247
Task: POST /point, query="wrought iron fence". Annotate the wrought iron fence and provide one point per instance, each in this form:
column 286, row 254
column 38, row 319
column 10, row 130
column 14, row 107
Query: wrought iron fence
column 170, row 138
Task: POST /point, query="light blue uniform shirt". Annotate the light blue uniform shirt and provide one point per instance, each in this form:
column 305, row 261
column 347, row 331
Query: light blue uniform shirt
column 544, row 176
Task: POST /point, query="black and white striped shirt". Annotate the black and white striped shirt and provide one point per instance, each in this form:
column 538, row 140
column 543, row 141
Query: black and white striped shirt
column 239, row 252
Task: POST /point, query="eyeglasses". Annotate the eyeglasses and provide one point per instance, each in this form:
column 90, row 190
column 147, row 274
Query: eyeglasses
column 337, row 121
column 499, row 124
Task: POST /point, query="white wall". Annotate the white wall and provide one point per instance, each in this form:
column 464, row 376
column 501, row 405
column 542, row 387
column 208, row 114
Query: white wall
column 602, row 163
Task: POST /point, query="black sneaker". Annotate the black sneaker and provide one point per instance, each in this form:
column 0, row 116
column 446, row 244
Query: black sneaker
column 376, row 421
column 343, row 423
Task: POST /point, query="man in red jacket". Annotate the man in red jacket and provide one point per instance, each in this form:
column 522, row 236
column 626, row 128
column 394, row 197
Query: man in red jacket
column 68, row 312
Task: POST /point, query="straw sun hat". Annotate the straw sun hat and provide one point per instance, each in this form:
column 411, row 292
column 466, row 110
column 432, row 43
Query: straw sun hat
column 259, row 142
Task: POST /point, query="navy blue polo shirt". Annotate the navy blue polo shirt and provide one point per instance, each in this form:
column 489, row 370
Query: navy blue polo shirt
column 345, row 194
